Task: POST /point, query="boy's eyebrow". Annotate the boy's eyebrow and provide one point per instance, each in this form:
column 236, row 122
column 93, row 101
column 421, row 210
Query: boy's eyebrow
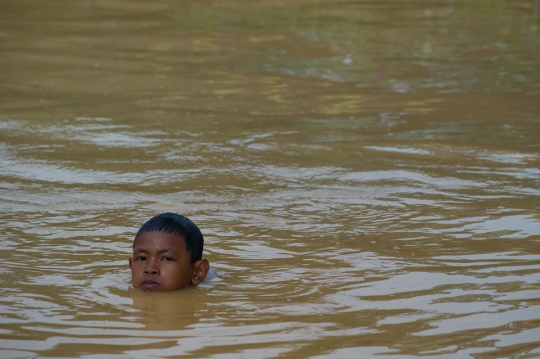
column 166, row 250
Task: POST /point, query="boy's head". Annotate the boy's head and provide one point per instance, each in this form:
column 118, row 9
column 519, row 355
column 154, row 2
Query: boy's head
column 167, row 254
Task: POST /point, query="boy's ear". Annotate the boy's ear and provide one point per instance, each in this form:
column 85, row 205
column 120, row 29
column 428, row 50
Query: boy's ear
column 200, row 270
column 131, row 263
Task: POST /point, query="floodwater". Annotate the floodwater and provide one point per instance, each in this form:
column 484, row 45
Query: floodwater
column 366, row 175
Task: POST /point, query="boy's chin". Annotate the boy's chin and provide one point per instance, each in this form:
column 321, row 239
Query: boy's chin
column 150, row 289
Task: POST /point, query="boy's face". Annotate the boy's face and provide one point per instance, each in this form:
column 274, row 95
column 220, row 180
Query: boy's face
column 161, row 262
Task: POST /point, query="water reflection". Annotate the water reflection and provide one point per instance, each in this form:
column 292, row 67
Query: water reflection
column 168, row 311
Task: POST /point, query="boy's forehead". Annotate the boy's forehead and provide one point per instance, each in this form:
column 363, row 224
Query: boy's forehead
column 158, row 237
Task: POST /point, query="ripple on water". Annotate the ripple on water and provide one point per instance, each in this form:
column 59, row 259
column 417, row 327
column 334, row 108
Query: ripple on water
column 361, row 193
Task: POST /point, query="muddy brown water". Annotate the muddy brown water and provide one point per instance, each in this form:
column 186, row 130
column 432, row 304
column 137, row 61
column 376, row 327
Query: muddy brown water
column 366, row 175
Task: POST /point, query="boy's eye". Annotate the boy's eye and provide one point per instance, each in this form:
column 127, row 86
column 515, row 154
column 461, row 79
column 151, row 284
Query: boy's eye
column 141, row 258
column 167, row 259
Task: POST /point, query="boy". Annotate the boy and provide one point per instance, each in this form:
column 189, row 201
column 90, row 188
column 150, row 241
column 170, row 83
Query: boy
column 167, row 254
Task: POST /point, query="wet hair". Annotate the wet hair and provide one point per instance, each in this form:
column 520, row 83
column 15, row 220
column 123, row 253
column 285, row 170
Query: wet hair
column 177, row 225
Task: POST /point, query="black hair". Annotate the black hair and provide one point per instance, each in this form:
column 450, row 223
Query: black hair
column 178, row 225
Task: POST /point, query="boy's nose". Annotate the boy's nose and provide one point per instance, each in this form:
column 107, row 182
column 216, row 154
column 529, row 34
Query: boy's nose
column 151, row 271
column 151, row 268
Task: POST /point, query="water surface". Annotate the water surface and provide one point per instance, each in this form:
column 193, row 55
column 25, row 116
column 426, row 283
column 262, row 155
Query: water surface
column 366, row 176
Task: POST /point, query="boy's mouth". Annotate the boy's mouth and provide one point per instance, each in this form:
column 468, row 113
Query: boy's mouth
column 149, row 285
